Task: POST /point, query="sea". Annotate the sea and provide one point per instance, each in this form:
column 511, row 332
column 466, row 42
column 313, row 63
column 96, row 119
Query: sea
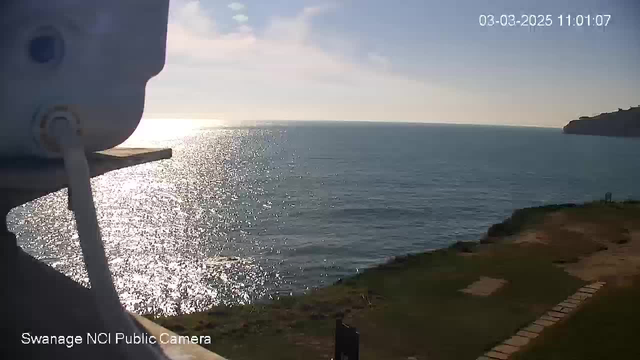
column 247, row 212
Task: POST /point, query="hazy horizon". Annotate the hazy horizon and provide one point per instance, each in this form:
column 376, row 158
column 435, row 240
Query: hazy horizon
column 203, row 122
column 419, row 61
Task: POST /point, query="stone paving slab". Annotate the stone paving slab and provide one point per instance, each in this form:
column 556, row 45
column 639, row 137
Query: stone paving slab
column 556, row 314
column 568, row 305
column 588, row 290
column 534, row 328
column 524, row 336
column 527, row 334
column 580, row 296
column 549, row 318
column 506, row 349
column 544, row 323
column 517, row 341
column 485, row 286
column 497, row 355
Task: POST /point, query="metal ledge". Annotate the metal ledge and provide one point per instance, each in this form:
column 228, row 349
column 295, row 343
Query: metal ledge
column 26, row 179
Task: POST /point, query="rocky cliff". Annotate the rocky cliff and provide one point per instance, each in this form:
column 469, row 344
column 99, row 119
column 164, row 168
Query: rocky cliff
column 620, row 123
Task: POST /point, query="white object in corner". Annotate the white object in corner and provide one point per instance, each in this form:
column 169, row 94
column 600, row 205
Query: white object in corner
column 89, row 58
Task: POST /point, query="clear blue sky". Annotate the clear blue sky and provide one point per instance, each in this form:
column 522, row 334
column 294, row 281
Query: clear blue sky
column 409, row 60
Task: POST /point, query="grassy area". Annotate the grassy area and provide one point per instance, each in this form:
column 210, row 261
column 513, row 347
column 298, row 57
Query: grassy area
column 606, row 328
column 523, row 219
column 412, row 305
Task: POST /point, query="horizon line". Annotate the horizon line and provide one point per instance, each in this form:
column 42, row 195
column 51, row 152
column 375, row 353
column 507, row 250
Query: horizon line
column 349, row 121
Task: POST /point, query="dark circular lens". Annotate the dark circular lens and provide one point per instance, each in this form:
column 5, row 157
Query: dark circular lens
column 42, row 49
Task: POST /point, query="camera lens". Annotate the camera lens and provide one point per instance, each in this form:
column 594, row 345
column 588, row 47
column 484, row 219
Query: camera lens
column 46, row 46
column 42, row 49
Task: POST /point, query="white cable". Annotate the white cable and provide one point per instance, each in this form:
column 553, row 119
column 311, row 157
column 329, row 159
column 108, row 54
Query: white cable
column 112, row 314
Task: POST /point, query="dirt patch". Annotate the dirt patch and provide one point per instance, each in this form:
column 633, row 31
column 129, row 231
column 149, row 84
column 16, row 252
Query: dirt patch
column 617, row 260
column 618, row 264
column 531, row 237
column 557, row 218
column 485, row 286
column 579, row 229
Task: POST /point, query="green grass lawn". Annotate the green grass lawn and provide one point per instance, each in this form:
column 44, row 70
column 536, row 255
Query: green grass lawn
column 606, row 328
column 426, row 316
column 412, row 306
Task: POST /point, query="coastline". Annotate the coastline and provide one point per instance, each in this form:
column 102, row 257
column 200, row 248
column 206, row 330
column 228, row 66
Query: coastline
column 623, row 123
column 542, row 255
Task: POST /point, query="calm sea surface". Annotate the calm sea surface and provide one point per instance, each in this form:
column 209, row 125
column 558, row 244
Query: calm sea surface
column 251, row 212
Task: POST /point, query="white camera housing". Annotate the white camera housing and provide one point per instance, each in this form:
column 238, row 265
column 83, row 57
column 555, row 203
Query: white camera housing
column 89, row 60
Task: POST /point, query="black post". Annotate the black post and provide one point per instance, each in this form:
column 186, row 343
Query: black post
column 8, row 241
column 3, row 223
column 608, row 197
column 347, row 342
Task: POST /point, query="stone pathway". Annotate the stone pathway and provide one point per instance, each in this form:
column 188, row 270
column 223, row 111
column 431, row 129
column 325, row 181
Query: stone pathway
column 533, row 330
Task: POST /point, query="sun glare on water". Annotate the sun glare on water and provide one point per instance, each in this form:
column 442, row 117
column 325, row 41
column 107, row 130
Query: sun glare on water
column 150, row 132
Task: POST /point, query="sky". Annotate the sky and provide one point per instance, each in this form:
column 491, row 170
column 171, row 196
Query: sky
column 406, row 61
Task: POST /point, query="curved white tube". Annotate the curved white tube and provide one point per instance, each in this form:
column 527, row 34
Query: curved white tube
column 112, row 314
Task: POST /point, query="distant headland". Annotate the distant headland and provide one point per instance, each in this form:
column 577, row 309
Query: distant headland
column 624, row 123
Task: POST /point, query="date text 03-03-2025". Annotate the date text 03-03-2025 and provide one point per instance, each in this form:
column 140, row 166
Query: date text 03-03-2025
column 510, row 20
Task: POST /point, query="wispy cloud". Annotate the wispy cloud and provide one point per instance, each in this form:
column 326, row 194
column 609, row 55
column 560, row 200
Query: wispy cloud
column 298, row 28
column 236, row 6
column 244, row 29
column 246, row 74
column 190, row 16
column 241, row 18
column 379, row 60
column 294, row 67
